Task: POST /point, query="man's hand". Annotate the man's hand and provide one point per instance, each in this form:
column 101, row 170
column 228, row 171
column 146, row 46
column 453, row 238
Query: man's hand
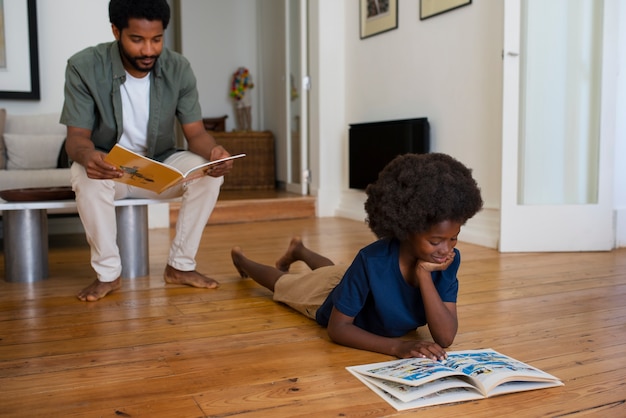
column 81, row 149
column 97, row 168
column 221, row 169
column 199, row 142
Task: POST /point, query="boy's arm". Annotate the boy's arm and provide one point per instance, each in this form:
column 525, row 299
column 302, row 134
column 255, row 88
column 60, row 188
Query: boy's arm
column 441, row 316
column 341, row 329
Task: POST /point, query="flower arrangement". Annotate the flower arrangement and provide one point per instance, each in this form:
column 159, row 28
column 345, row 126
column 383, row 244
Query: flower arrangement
column 241, row 81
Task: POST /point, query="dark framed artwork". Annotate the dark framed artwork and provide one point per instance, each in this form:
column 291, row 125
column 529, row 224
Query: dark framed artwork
column 378, row 16
column 430, row 8
column 19, row 51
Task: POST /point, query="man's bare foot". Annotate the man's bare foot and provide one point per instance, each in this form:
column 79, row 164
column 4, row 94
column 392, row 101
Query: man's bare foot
column 97, row 290
column 285, row 261
column 189, row 278
column 237, row 255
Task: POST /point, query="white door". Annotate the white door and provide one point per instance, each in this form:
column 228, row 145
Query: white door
column 558, row 125
column 297, row 96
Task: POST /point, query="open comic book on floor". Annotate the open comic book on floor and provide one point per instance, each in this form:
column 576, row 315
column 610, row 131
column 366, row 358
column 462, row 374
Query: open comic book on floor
column 153, row 175
column 463, row 376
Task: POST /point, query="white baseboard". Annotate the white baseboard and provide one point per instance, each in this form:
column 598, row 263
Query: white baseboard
column 620, row 227
column 483, row 229
column 351, row 205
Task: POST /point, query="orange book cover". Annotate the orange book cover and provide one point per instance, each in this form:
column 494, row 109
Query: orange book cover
column 153, row 175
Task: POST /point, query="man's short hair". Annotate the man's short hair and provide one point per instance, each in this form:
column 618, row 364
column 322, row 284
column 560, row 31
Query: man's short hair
column 122, row 10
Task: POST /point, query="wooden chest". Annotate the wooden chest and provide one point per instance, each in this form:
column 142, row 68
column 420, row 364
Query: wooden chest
column 257, row 170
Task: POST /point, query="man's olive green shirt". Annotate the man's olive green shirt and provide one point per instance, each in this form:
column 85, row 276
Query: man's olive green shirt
column 93, row 100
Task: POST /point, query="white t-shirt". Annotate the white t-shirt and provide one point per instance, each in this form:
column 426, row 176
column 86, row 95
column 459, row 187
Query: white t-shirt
column 135, row 109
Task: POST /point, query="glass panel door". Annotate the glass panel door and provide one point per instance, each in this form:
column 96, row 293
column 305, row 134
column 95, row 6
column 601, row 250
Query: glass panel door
column 560, row 102
column 556, row 169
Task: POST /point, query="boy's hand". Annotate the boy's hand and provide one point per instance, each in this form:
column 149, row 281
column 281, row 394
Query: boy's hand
column 421, row 349
column 430, row 266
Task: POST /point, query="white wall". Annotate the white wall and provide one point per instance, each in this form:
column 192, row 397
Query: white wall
column 64, row 27
column 327, row 120
column 461, row 95
column 620, row 133
column 218, row 37
column 272, row 73
column 447, row 68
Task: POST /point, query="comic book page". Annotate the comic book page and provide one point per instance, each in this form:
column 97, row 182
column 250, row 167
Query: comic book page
column 464, row 375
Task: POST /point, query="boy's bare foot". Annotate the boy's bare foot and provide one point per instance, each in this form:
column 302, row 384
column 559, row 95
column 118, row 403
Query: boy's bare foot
column 236, row 254
column 97, row 290
column 285, row 261
column 189, row 278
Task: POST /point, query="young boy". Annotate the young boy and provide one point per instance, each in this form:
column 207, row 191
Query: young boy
column 402, row 281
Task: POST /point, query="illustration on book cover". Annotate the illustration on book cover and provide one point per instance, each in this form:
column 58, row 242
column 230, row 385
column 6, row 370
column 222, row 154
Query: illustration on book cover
column 136, row 175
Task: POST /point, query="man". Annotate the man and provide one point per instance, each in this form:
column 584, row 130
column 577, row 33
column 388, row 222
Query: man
column 131, row 91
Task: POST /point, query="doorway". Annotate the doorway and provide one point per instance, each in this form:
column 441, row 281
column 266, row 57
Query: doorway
column 297, row 96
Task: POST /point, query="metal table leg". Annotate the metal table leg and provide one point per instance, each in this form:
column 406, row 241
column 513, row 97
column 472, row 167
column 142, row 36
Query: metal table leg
column 132, row 240
column 25, row 245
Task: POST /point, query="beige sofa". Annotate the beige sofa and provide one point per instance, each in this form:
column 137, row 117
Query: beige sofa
column 30, row 147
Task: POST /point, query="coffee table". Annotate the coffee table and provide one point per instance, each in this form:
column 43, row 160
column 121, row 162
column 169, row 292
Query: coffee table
column 26, row 237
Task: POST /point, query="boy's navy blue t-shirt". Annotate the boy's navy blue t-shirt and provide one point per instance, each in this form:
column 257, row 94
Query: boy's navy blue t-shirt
column 374, row 292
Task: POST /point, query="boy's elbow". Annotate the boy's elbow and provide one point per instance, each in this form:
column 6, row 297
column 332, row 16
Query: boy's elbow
column 444, row 336
column 333, row 334
column 339, row 334
column 445, row 341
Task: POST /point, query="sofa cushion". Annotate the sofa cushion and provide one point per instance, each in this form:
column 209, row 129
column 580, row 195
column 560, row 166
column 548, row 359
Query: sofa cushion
column 26, row 179
column 40, row 124
column 3, row 151
column 30, row 151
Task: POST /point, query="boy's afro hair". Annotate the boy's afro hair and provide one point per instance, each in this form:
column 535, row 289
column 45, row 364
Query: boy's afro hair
column 416, row 191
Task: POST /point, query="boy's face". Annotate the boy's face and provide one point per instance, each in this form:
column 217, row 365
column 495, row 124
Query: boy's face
column 141, row 44
column 434, row 245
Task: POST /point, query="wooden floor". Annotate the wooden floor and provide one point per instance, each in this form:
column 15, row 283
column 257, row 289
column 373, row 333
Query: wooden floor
column 156, row 350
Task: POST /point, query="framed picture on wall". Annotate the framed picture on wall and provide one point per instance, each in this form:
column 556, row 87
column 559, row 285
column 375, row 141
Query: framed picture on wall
column 430, row 8
column 19, row 72
column 378, row 16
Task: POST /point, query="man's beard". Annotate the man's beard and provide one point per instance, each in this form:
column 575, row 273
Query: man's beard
column 135, row 62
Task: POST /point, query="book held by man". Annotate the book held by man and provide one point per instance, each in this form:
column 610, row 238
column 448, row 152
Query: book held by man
column 153, row 175
column 463, row 376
